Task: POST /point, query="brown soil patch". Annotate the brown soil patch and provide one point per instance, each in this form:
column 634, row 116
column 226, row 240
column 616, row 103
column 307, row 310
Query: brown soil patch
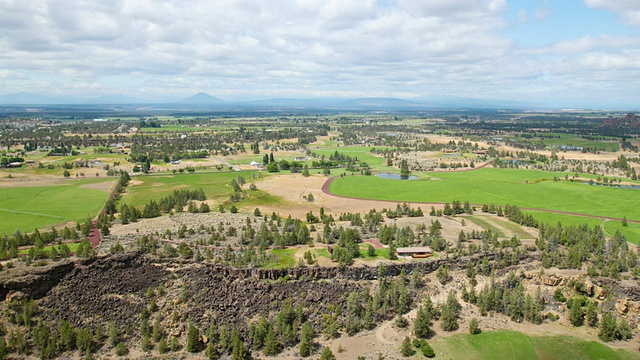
column 293, row 188
column 27, row 182
column 104, row 186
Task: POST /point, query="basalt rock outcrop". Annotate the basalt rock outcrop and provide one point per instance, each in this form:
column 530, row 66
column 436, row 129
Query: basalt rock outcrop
column 114, row 288
column 110, row 289
column 35, row 282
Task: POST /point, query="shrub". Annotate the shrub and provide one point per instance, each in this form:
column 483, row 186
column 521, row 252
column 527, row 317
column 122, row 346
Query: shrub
column 121, row 349
column 474, row 328
column 407, row 348
column 162, row 346
column 558, row 296
column 426, row 349
column 327, row 354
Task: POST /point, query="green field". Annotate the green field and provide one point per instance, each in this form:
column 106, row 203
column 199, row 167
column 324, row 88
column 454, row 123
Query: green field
column 27, row 208
column 281, row 259
column 525, row 188
column 505, row 344
column 73, row 247
column 483, row 223
column 577, row 141
column 173, row 127
column 379, row 254
column 363, row 153
column 216, row 186
column 631, row 231
column 566, row 220
column 515, row 229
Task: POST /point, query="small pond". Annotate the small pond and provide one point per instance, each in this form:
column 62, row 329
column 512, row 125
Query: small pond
column 395, row 176
column 636, row 187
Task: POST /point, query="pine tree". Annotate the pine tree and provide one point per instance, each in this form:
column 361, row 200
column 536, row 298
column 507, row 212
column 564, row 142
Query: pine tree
column 306, row 340
column 327, row 354
column 407, row 349
column 193, row 338
column 157, row 333
column 271, row 345
column 608, row 327
column 576, row 316
column 421, row 325
column 623, row 331
column 162, row 346
column 592, row 314
column 175, row 344
column 121, row 349
column 473, row 327
column 145, row 344
column 238, row 352
column 224, row 342
column 449, row 319
column 3, row 348
column 211, row 351
column 428, row 308
column 443, row 274
column 114, row 334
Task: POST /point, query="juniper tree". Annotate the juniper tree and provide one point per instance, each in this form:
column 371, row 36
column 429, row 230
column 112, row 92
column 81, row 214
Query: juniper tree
column 421, row 325
column 406, row 349
column 193, row 338
column 592, row 314
column 327, row 354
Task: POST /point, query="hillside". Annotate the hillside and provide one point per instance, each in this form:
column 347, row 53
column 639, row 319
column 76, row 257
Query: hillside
column 630, row 122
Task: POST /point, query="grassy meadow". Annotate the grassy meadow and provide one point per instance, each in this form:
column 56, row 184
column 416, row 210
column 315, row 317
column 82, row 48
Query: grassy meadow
column 216, row 186
column 363, row 153
column 504, row 344
column 73, row 247
column 525, row 188
column 631, row 231
column 26, row 208
column 577, row 141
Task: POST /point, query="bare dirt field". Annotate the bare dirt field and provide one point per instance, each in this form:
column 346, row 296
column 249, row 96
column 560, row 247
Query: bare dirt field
column 28, row 182
column 104, row 186
column 293, row 188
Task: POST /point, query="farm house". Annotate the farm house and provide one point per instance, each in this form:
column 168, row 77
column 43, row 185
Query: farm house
column 415, row 252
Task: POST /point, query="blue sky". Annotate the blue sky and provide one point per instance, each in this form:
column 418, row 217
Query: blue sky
column 560, row 53
column 539, row 23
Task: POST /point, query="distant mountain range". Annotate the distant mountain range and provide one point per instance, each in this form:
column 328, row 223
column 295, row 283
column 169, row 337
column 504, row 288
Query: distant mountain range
column 629, row 122
column 26, row 98
column 202, row 101
column 201, row 98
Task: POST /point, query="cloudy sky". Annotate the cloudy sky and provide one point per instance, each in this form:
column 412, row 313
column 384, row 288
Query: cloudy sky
column 563, row 53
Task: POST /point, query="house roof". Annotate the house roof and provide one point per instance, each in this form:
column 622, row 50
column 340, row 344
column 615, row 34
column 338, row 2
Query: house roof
column 413, row 250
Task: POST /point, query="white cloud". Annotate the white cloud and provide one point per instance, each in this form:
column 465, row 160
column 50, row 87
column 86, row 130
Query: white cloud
column 261, row 43
column 542, row 13
column 273, row 48
column 523, row 17
column 629, row 10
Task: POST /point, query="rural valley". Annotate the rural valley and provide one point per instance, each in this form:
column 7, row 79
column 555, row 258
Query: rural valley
column 446, row 234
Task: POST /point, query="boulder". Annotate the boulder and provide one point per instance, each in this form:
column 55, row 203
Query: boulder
column 622, row 306
column 551, row 280
column 16, row 296
column 600, row 293
column 589, row 288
